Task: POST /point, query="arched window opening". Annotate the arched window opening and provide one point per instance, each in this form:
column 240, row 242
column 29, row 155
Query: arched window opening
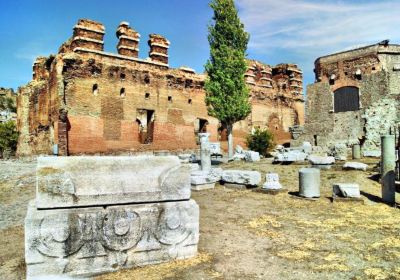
column 95, row 89
column 346, row 99
column 122, row 92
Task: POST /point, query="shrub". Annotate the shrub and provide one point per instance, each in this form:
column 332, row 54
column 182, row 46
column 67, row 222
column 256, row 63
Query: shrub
column 8, row 137
column 261, row 140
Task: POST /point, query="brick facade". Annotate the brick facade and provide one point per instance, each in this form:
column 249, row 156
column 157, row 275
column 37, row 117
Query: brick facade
column 86, row 100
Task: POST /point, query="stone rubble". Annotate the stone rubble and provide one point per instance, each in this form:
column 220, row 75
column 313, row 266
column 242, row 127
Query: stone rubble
column 145, row 217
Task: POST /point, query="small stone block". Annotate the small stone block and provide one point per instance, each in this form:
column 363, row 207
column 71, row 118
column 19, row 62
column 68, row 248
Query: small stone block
column 203, row 187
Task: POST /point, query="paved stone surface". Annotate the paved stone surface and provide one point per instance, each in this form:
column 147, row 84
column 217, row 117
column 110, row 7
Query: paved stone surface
column 86, row 180
column 346, row 190
column 244, row 177
column 355, row 166
column 87, row 241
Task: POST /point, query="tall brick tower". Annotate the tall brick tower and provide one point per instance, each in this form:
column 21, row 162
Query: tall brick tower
column 158, row 48
column 128, row 43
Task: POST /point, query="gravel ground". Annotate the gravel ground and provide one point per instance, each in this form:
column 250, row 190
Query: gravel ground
column 250, row 235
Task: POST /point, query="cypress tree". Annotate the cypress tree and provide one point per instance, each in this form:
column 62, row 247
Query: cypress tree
column 226, row 91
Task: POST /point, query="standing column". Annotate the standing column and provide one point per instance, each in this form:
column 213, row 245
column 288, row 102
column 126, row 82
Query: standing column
column 356, row 151
column 388, row 165
column 205, row 152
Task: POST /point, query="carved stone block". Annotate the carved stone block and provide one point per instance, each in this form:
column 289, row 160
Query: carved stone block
column 80, row 242
column 89, row 181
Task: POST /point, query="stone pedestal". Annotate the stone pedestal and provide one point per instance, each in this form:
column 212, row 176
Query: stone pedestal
column 272, row 182
column 309, row 182
column 205, row 152
column 101, row 214
column 388, row 165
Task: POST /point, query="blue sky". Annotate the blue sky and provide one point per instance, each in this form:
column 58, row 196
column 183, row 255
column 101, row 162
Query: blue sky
column 294, row 31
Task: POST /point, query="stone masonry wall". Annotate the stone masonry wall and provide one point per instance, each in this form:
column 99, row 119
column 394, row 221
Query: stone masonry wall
column 88, row 101
column 370, row 69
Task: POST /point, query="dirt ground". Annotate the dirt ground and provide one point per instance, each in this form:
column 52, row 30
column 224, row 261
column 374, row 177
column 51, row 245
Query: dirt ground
column 250, row 235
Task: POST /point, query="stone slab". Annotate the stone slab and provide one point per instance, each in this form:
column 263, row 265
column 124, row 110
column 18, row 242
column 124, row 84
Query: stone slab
column 203, row 187
column 346, row 190
column 355, row 166
column 94, row 180
column 372, row 153
column 288, row 155
column 84, row 242
column 243, row 177
column 319, row 160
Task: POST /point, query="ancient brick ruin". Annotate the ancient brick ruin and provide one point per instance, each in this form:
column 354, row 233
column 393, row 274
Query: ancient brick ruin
column 355, row 97
column 85, row 100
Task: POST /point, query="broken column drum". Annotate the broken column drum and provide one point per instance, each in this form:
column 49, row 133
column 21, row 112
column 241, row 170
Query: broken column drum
column 101, row 214
column 388, row 165
column 356, row 150
column 309, row 182
column 205, row 152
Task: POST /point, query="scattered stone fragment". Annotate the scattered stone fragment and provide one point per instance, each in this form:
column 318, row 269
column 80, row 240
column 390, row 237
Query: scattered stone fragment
column 346, row 190
column 242, row 177
column 202, row 180
column 288, row 155
column 320, row 160
column 355, row 166
column 372, row 153
column 252, row 156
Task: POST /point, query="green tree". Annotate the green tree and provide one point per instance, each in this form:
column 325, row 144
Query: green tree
column 7, row 103
column 226, row 91
column 8, row 137
column 260, row 141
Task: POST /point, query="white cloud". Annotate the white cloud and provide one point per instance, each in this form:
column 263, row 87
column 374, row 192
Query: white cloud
column 307, row 28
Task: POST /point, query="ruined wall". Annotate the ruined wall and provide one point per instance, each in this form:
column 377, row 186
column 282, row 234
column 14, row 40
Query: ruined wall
column 371, row 71
column 276, row 97
column 86, row 100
